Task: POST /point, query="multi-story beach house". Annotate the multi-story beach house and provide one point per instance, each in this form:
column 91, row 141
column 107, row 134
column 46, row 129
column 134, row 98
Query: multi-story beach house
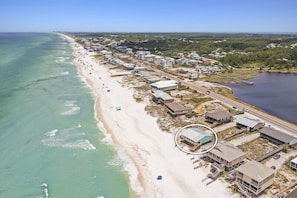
column 293, row 164
column 254, row 177
column 226, row 155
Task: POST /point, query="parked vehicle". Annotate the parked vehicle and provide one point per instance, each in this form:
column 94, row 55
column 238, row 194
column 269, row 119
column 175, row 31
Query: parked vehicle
column 276, row 156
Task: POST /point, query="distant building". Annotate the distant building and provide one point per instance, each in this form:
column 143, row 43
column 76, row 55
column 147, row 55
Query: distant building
column 195, row 136
column 277, row 137
column 219, row 117
column 176, row 108
column 161, row 97
column 151, row 78
column 227, row 155
column 293, row 164
column 164, row 85
column 194, row 55
column 128, row 66
column 254, row 177
column 248, row 123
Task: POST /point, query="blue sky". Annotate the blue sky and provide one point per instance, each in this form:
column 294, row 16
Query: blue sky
column 148, row 16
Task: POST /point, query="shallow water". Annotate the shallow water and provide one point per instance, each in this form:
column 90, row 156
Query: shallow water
column 50, row 144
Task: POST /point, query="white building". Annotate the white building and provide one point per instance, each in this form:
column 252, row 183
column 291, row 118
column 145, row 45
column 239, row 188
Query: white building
column 293, row 164
column 195, row 56
column 164, row 85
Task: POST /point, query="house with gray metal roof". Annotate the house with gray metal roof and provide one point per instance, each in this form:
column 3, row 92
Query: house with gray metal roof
column 161, row 97
column 254, row 177
column 195, row 136
column 227, row 155
column 277, row 137
column 248, row 123
column 219, row 117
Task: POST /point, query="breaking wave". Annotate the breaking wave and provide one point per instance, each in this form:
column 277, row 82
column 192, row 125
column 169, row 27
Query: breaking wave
column 75, row 109
column 67, row 138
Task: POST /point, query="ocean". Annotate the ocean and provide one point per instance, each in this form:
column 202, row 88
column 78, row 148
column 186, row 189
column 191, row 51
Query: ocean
column 275, row 93
column 50, row 142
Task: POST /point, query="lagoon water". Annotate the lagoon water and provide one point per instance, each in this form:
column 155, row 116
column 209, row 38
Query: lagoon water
column 50, row 143
column 275, row 93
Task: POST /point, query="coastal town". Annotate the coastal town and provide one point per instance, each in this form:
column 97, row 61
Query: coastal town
column 252, row 153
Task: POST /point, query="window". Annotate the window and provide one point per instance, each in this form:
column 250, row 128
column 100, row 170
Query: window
column 239, row 174
column 254, row 182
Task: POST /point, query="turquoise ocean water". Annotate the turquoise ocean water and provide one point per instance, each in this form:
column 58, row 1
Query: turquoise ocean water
column 50, row 144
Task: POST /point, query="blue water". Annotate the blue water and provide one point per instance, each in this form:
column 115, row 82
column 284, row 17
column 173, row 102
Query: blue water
column 50, row 143
column 275, row 93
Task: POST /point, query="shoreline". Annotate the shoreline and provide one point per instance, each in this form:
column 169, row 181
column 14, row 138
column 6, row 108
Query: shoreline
column 151, row 150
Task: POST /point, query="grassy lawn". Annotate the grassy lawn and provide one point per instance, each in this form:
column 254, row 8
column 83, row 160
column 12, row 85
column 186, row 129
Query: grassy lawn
column 257, row 148
column 198, row 101
column 226, row 132
column 235, row 75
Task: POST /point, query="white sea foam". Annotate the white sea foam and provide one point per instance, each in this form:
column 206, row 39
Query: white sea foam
column 70, row 103
column 51, row 133
column 132, row 171
column 67, row 138
column 123, row 161
column 60, row 59
column 72, row 128
column 44, row 185
column 107, row 139
column 62, row 143
column 46, row 195
column 83, row 144
column 65, row 73
column 115, row 161
column 72, row 111
column 101, row 196
column 75, row 109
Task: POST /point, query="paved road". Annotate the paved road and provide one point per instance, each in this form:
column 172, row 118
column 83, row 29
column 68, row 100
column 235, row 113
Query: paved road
column 240, row 105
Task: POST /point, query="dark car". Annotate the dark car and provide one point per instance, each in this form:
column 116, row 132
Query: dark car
column 276, row 156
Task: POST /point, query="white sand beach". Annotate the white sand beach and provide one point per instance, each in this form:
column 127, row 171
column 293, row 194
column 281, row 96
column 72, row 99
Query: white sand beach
column 133, row 131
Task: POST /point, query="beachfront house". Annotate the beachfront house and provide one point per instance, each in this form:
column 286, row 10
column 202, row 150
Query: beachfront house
column 277, row 137
column 227, row 155
column 164, row 85
column 176, row 108
column 161, row 97
column 248, row 123
column 254, row 177
column 293, row 164
column 195, row 136
column 219, row 117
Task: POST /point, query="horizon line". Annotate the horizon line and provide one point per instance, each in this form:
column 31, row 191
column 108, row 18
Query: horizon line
column 153, row 32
